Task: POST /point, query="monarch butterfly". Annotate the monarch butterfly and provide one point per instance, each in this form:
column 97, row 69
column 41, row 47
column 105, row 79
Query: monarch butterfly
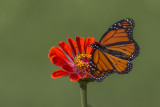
column 115, row 50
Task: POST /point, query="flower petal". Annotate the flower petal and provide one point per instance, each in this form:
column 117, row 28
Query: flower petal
column 67, row 68
column 82, row 75
column 73, row 46
column 96, row 42
column 50, row 55
column 57, row 51
column 59, row 73
column 57, row 60
column 87, row 45
column 73, row 77
column 66, row 49
column 80, row 44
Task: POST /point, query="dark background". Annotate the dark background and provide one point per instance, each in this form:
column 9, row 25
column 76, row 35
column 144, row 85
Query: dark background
column 29, row 28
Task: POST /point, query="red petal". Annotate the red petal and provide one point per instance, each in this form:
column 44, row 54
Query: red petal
column 73, row 46
column 73, row 77
column 57, row 51
column 65, row 47
column 82, row 75
column 67, row 68
column 50, row 55
column 80, row 44
column 59, row 61
column 89, row 75
column 59, row 73
column 96, row 42
column 87, row 45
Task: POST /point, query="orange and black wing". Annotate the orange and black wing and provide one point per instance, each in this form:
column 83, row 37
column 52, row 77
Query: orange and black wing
column 103, row 64
column 100, row 65
column 127, row 51
column 115, row 51
column 120, row 65
column 119, row 40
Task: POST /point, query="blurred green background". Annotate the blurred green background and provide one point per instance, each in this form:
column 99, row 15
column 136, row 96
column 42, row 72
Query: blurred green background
column 29, row 28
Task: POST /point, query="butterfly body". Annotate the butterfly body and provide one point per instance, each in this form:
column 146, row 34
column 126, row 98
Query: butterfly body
column 115, row 50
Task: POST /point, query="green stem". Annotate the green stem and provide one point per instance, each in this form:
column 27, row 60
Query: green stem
column 83, row 90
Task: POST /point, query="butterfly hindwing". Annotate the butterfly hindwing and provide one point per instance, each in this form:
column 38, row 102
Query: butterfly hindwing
column 121, row 66
column 103, row 64
column 100, row 65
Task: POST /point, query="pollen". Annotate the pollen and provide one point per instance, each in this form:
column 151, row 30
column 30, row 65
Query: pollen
column 82, row 61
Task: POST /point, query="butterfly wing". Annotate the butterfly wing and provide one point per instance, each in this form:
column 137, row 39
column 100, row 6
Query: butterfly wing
column 100, row 65
column 127, row 51
column 118, row 50
column 119, row 39
column 103, row 64
column 118, row 32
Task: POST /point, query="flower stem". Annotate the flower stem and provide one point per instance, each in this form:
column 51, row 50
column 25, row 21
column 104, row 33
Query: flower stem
column 83, row 90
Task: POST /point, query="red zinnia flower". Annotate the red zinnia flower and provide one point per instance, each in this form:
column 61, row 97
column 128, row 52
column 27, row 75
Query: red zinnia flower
column 72, row 59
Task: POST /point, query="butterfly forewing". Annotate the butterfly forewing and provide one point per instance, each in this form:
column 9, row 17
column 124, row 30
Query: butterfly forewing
column 119, row 38
column 119, row 32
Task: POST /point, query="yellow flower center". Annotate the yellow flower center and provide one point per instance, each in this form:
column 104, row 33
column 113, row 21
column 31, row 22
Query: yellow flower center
column 82, row 61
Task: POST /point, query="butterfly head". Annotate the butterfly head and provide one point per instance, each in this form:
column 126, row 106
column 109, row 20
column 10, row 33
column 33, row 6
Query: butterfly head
column 94, row 46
